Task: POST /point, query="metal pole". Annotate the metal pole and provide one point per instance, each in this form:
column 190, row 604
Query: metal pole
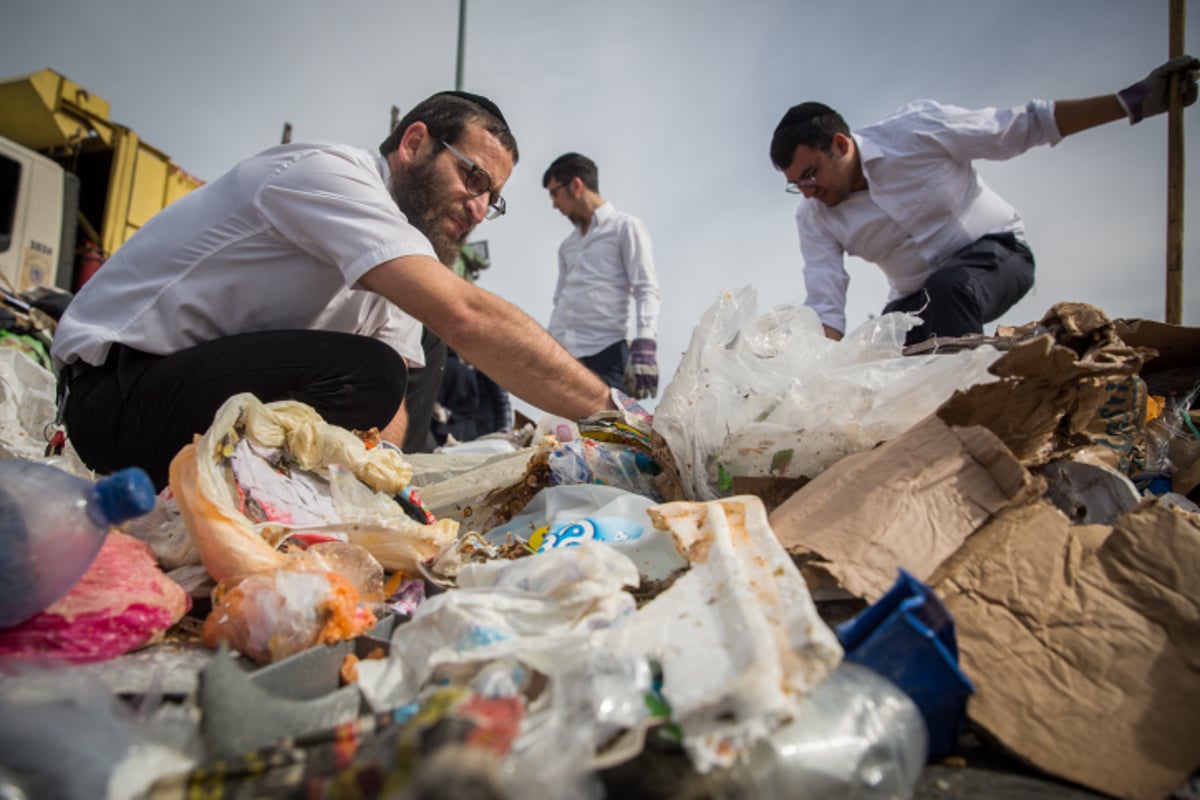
column 462, row 36
column 1175, row 175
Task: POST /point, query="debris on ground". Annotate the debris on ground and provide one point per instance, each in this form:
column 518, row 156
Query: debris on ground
column 901, row 558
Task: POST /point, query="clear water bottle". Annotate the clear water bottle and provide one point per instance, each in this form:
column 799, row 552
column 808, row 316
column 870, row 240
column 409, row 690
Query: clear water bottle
column 52, row 524
column 857, row 737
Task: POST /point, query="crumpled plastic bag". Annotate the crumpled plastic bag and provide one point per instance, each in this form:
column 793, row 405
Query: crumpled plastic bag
column 500, row 609
column 533, row 627
column 67, row 734
column 164, row 530
column 27, row 408
column 273, row 615
column 214, row 506
column 738, row 637
column 771, row 396
column 650, row 548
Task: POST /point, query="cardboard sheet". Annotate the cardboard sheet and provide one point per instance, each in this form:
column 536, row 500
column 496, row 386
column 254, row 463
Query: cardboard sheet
column 1074, row 386
column 1084, row 643
column 908, row 503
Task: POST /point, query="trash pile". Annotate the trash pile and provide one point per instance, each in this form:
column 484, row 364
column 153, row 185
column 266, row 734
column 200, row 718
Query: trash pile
column 808, row 574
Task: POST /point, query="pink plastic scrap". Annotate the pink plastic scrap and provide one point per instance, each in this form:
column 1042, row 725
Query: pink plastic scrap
column 123, row 601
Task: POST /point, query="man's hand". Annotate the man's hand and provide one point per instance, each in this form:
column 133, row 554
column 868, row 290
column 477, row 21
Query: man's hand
column 1151, row 95
column 641, row 371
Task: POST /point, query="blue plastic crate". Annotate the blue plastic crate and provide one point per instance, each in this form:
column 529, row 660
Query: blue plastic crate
column 908, row 637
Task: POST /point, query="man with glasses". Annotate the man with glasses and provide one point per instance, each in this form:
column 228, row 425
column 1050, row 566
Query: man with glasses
column 306, row 273
column 903, row 194
column 603, row 264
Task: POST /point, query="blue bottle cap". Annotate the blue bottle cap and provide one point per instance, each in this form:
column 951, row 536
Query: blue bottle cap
column 125, row 494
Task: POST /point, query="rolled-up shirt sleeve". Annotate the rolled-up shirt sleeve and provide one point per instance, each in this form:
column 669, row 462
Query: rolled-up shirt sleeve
column 995, row 134
column 825, row 276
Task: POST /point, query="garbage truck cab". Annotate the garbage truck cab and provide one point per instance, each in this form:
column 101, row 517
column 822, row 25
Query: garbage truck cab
column 38, row 202
column 73, row 185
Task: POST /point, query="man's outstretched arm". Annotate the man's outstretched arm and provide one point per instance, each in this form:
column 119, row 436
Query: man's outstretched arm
column 495, row 336
column 1146, row 98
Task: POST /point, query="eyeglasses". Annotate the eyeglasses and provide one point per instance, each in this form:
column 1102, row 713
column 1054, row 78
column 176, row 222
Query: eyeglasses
column 553, row 189
column 807, row 180
column 477, row 182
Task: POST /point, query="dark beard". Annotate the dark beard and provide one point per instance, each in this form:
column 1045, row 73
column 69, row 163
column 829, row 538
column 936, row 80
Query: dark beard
column 416, row 190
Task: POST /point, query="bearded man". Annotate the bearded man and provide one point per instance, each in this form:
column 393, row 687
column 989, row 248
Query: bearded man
column 305, row 273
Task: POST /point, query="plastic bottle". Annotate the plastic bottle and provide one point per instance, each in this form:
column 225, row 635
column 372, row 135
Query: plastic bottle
column 857, row 737
column 52, row 524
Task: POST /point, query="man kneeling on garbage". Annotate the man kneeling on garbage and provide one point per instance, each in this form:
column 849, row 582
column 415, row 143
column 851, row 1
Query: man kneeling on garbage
column 304, row 273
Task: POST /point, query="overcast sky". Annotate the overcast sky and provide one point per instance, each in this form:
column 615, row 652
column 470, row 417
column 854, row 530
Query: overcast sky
column 676, row 101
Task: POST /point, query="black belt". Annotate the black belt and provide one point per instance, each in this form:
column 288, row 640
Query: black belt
column 73, row 370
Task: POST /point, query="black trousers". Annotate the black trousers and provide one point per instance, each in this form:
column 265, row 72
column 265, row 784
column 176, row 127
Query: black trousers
column 424, row 383
column 609, row 364
column 139, row 409
column 974, row 286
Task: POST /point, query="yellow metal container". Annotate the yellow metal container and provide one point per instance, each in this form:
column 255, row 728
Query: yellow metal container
column 123, row 180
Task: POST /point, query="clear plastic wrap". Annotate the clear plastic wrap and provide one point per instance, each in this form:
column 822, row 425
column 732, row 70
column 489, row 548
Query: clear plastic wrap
column 770, row 396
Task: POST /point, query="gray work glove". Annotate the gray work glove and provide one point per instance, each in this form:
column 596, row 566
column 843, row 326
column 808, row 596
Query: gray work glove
column 1150, row 96
column 641, row 371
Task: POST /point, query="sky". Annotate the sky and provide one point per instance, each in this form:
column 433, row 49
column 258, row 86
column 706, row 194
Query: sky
column 676, row 101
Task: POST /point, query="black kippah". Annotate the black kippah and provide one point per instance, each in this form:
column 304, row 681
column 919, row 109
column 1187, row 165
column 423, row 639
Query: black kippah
column 477, row 99
column 802, row 113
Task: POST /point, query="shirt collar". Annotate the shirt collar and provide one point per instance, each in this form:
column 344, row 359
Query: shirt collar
column 868, row 150
column 385, row 170
column 603, row 212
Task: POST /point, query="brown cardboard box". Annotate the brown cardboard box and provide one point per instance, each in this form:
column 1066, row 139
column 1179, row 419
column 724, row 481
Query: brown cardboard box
column 908, row 503
column 1073, row 387
column 1084, row 643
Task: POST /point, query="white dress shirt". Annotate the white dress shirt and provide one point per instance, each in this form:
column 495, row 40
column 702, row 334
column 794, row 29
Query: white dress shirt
column 276, row 243
column 598, row 274
column 924, row 200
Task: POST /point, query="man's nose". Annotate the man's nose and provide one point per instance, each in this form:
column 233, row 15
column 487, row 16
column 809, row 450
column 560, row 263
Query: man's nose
column 478, row 206
column 808, row 190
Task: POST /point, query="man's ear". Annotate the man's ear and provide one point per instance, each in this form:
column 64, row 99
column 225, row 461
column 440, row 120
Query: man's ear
column 415, row 136
column 842, row 144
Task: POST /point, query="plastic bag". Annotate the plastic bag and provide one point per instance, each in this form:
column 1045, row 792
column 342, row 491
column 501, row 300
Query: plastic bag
column 360, row 483
column 585, row 461
column 738, row 637
column 770, row 395
column 273, row 615
column 503, row 608
column 651, row 549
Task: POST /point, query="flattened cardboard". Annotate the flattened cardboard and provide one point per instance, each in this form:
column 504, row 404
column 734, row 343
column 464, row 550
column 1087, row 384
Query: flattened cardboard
column 1176, row 345
column 1185, row 459
column 1084, row 643
column 1058, row 396
column 908, row 503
